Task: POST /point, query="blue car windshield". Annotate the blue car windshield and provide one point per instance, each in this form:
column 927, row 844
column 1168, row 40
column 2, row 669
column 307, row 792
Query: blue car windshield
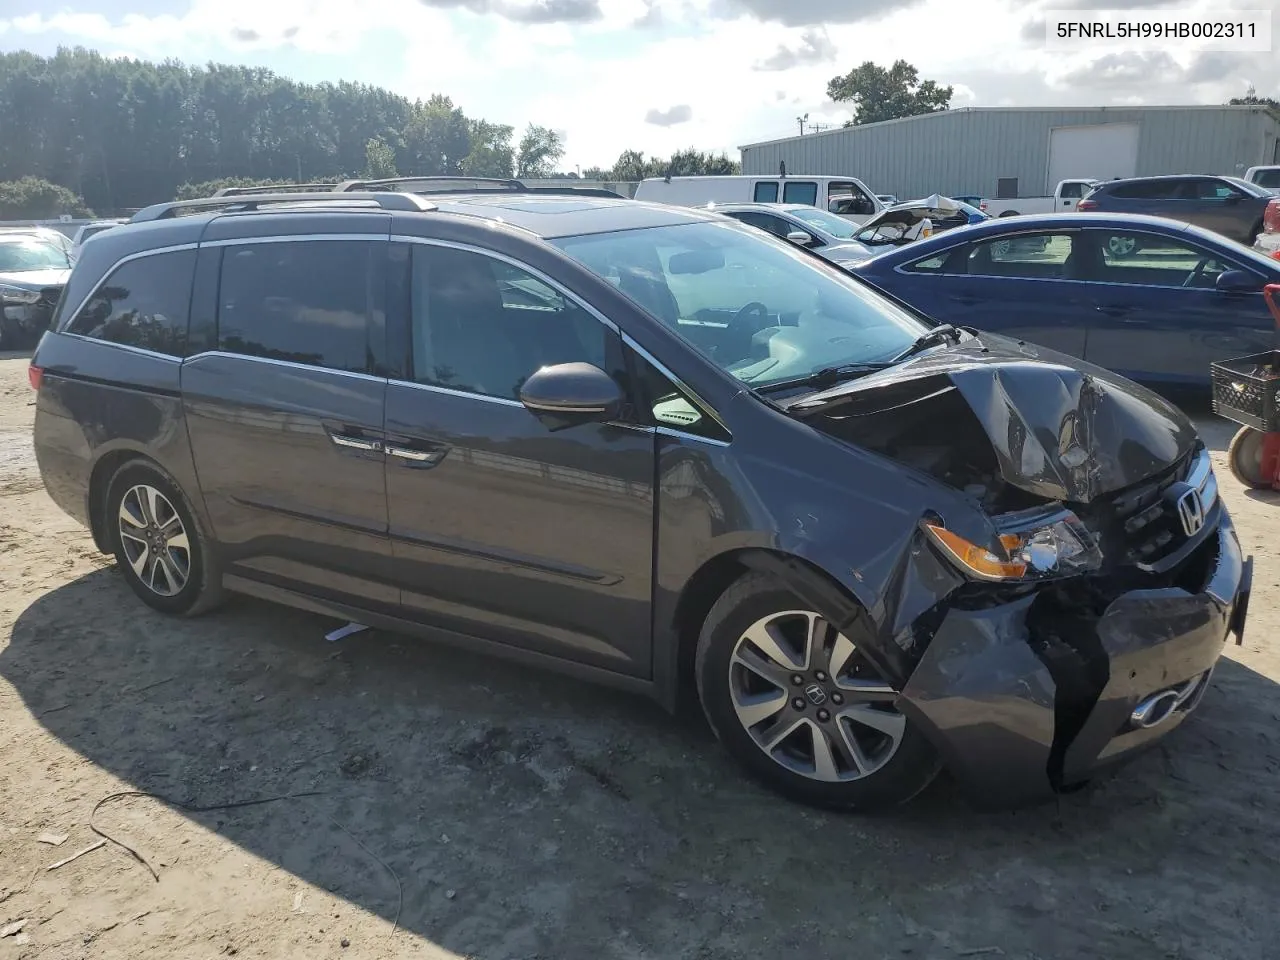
column 758, row 307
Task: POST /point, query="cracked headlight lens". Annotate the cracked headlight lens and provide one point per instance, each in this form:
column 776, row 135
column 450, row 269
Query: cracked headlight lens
column 1024, row 548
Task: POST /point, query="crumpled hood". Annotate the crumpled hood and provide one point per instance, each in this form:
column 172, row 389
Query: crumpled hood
column 35, row 279
column 1059, row 428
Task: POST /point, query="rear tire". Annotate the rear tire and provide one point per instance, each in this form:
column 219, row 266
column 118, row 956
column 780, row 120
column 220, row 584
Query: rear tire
column 800, row 709
column 1245, row 458
column 161, row 549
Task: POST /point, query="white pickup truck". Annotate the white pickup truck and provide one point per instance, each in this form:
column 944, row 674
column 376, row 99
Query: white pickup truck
column 1064, row 200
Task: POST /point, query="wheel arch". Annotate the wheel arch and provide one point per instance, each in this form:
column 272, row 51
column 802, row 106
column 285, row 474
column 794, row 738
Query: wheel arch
column 106, row 467
column 841, row 603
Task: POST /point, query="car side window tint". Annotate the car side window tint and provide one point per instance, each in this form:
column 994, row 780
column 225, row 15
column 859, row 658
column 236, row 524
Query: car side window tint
column 1149, row 259
column 302, row 301
column 481, row 325
column 1042, row 256
column 1072, row 191
column 775, row 225
column 144, row 303
column 664, row 404
column 801, row 191
column 1213, row 190
column 766, row 192
column 932, row 265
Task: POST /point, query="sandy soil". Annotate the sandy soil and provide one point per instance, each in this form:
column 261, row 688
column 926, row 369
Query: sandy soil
column 497, row 812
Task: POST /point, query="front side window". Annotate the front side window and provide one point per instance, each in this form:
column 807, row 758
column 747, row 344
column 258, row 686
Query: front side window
column 761, row 310
column 301, row 301
column 775, row 225
column 143, row 303
column 481, row 325
column 766, row 192
column 804, row 191
column 21, row 256
column 1210, row 190
column 1149, row 259
column 1040, row 256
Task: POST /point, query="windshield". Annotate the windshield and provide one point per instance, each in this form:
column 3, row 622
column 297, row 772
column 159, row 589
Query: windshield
column 838, row 227
column 760, row 308
column 19, row 256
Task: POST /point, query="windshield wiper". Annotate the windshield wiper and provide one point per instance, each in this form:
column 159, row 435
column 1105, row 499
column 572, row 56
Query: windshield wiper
column 931, row 338
column 826, row 377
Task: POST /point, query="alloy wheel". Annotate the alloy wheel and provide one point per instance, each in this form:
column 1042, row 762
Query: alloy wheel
column 811, row 701
column 154, row 540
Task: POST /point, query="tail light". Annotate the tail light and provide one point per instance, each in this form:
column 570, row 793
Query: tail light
column 983, row 206
column 35, row 376
column 1271, row 217
column 1085, row 205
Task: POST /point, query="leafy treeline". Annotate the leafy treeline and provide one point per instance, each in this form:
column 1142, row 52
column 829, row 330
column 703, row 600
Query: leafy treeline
column 124, row 133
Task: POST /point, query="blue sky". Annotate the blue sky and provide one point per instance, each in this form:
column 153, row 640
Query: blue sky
column 651, row 75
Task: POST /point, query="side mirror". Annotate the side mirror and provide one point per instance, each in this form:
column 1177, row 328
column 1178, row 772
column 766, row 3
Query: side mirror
column 1236, row 281
column 569, row 394
column 800, row 238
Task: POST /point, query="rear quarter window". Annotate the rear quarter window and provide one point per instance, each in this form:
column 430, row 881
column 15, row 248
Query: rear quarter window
column 144, row 303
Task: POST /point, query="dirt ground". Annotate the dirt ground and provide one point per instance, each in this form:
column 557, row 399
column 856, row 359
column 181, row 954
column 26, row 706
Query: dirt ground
column 496, row 812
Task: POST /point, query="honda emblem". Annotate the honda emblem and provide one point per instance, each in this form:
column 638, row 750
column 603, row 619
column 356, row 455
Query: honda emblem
column 1191, row 512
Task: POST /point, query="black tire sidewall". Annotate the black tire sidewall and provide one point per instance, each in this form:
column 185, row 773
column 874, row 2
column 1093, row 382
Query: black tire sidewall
column 184, row 601
column 1235, row 452
column 908, row 772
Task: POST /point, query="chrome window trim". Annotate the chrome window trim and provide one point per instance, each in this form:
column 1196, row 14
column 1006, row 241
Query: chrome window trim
column 681, row 435
column 141, row 351
column 107, row 274
column 448, row 391
column 290, row 364
column 296, row 238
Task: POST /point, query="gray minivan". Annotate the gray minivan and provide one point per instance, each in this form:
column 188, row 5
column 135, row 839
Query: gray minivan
column 655, row 448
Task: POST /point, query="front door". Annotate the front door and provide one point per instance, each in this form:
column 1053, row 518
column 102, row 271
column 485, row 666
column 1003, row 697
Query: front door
column 1157, row 315
column 284, row 410
column 502, row 529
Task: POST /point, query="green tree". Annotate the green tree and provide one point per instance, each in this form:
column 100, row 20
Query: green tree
column 875, row 94
column 30, row 198
column 439, row 137
column 1251, row 98
column 491, row 152
column 379, row 159
column 540, row 149
column 207, row 188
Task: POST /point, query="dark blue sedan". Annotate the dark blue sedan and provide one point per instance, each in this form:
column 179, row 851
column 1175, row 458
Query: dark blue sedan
column 1152, row 299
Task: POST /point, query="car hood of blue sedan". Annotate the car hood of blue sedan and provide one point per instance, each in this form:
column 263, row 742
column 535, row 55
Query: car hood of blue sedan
column 1057, row 428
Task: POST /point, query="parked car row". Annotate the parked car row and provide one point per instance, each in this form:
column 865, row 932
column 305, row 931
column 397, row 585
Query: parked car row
column 666, row 451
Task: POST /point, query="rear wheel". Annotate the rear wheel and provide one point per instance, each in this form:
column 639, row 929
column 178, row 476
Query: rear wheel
column 801, row 708
column 1245, row 458
column 160, row 547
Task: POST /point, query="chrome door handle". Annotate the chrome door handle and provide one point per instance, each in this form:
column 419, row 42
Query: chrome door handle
column 354, row 443
column 417, row 457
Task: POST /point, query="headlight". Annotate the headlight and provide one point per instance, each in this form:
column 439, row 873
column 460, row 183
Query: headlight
column 18, row 295
column 1025, row 548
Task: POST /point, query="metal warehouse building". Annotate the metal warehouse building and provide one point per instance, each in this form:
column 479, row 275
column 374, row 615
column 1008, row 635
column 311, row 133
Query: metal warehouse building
column 1015, row 152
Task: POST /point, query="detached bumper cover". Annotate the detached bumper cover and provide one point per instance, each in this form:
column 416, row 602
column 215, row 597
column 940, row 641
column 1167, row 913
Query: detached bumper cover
column 985, row 694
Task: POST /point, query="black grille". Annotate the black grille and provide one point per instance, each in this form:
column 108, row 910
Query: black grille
column 1139, row 525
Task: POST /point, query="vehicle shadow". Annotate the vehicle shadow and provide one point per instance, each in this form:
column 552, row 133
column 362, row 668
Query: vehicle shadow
column 524, row 814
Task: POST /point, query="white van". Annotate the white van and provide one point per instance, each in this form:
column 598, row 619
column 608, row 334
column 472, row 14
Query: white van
column 846, row 196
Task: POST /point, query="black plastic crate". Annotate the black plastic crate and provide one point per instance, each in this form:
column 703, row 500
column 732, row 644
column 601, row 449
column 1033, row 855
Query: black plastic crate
column 1247, row 389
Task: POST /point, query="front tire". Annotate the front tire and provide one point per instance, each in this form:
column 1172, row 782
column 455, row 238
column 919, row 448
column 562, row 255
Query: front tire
column 800, row 708
column 160, row 547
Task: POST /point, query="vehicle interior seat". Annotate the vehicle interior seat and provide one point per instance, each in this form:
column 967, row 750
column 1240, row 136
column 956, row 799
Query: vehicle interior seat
column 651, row 293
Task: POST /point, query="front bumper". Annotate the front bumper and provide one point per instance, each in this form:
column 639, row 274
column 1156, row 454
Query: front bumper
column 1018, row 716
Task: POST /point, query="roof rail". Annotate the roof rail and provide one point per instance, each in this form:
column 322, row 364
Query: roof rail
column 385, row 201
column 275, row 188
column 433, row 184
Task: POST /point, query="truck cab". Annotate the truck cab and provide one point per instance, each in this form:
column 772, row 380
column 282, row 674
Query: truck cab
column 1066, row 196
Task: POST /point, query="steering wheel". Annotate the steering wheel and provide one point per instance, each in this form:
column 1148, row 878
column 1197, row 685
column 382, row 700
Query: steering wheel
column 753, row 309
column 1194, row 275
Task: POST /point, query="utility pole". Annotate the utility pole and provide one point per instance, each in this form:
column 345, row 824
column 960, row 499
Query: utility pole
column 802, row 121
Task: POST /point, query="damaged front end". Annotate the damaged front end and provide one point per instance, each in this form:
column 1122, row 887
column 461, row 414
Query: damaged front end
column 1076, row 612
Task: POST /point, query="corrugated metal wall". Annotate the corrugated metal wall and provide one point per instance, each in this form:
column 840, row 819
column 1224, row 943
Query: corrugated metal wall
column 966, row 151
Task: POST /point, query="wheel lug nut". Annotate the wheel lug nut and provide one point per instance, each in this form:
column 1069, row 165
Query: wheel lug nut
column 822, row 677
column 798, row 703
column 837, row 698
column 796, row 679
column 824, row 716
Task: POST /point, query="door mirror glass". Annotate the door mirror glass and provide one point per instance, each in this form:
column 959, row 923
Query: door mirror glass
column 1236, row 281
column 568, row 394
column 799, row 237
